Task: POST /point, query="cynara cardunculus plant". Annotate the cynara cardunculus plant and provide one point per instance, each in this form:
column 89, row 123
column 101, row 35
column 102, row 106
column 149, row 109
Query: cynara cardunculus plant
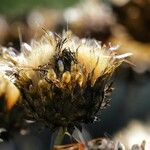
column 63, row 80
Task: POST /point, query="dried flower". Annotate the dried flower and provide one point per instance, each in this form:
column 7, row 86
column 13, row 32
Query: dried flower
column 95, row 144
column 136, row 135
column 99, row 144
column 9, row 118
column 64, row 80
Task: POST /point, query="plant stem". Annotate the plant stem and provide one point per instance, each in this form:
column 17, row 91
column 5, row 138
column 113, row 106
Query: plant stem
column 60, row 136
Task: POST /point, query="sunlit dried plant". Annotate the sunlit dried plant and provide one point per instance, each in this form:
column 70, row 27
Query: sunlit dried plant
column 63, row 80
column 9, row 94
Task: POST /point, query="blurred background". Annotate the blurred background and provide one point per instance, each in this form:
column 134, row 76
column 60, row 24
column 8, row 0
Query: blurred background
column 121, row 22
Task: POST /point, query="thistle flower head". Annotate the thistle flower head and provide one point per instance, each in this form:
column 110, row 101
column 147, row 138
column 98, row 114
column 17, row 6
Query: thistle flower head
column 63, row 80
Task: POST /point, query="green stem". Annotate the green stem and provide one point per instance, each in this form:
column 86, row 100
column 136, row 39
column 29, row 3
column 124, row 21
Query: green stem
column 60, row 136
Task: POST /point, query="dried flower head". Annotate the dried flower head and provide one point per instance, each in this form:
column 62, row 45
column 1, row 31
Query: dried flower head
column 63, row 80
column 99, row 144
column 9, row 118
